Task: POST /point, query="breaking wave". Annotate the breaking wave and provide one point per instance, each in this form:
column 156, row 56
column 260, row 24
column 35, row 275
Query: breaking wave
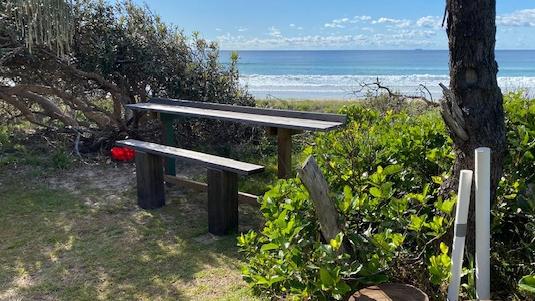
column 345, row 86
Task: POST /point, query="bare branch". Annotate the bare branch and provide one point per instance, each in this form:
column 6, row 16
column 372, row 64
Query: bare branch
column 377, row 86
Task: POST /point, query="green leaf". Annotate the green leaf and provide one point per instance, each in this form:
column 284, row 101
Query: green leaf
column 376, row 192
column 336, row 242
column 437, row 180
column 392, row 169
column 269, row 246
column 417, row 222
column 444, row 248
column 527, row 283
column 326, row 279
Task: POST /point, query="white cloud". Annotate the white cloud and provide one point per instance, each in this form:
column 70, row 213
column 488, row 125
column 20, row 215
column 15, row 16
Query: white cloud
column 274, row 32
column 519, row 18
column 243, row 29
column 337, row 23
column 401, row 23
column 218, row 29
column 430, row 22
column 362, row 18
column 342, row 22
column 400, row 38
column 355, row 32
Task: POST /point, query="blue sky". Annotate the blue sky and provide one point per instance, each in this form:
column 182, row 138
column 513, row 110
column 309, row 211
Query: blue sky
column 335, row 24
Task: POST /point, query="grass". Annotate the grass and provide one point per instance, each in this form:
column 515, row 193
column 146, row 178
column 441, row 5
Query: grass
column 326, row 106
column 89, row 243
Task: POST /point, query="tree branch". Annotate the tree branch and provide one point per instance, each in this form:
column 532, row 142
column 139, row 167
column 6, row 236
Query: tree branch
column 377, row 86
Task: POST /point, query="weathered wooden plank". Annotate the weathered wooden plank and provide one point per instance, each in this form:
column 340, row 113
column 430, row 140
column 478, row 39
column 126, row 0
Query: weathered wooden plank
column 243, row 197
column 168, row 138
column 222, row 202
column 252, row 110
column 150, row 185
column 318, row 189
column 284, row 153
column 247, row 118
column 203, row 159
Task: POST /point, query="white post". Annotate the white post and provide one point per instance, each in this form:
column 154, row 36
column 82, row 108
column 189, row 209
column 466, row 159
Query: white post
column 461, row 216
column 482, row 200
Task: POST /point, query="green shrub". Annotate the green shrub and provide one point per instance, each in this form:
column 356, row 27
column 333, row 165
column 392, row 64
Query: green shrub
column 384, row 172
column 513, row 223
column 387, row 195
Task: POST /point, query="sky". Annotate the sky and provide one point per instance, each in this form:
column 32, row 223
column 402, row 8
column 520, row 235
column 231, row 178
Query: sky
column 335, row 24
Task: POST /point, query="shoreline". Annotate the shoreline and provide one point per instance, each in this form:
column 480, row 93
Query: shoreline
column 348, row 87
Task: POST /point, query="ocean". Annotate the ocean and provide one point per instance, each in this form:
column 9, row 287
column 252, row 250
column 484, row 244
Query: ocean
column 338, row 74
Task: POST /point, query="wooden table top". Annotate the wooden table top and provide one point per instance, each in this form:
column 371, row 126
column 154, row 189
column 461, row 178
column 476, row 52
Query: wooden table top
column 254, row 116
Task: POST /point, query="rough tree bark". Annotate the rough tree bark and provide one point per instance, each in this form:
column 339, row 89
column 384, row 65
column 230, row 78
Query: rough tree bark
column 473, row 105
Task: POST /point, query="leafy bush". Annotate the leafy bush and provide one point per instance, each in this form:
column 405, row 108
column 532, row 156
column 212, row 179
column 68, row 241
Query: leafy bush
column 513, row 223
column 387, row 196
column 384, row 172
column 121, row 53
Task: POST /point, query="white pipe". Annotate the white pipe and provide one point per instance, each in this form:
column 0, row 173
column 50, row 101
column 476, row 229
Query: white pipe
column 482, row 200
column 461, row 216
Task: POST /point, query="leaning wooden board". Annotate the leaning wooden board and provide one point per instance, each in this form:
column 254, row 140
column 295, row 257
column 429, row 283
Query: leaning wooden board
column 254, row 118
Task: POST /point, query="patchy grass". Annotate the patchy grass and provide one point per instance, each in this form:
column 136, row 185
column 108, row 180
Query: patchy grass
column 325, row 106
column 78, row 235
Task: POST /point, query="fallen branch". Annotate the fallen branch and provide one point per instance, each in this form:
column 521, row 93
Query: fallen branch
column 377, row 86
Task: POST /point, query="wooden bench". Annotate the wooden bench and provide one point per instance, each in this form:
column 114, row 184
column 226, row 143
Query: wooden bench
column 282, row 123
column 222, row 181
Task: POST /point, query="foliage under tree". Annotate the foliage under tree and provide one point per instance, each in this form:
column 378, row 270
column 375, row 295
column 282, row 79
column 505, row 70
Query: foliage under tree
column 119, row 54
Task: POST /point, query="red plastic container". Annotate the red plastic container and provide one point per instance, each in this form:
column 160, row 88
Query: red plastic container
column 124, row 154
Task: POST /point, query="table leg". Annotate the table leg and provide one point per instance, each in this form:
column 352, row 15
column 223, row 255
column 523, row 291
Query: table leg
column 222, row 202
column 150, row 187
column 168, row 138
column 284, row 146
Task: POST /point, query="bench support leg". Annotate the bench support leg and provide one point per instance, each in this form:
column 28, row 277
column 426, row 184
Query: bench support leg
column 284, row 146
column 222, row 202
column 150, row 185
column 168, row 138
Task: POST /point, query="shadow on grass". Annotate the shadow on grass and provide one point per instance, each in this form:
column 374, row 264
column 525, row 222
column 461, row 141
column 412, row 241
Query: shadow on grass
column 94, row 245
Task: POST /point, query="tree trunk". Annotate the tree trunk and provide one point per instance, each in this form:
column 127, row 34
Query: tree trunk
column 473, row 109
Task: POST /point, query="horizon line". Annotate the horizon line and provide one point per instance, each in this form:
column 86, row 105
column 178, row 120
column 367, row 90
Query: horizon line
column 413, row 49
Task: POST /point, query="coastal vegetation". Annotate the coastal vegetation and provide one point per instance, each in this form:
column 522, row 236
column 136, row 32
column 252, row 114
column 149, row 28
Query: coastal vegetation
column 117, row 55
column 385, row 170
column 391, row 171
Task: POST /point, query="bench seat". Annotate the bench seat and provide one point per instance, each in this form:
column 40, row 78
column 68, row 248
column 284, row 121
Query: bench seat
column 222, row 181
column 207, row 160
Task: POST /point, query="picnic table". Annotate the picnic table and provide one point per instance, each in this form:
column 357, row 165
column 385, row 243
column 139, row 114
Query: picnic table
column 282, row 123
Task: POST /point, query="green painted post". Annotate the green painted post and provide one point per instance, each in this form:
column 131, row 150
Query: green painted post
column 168, row 138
